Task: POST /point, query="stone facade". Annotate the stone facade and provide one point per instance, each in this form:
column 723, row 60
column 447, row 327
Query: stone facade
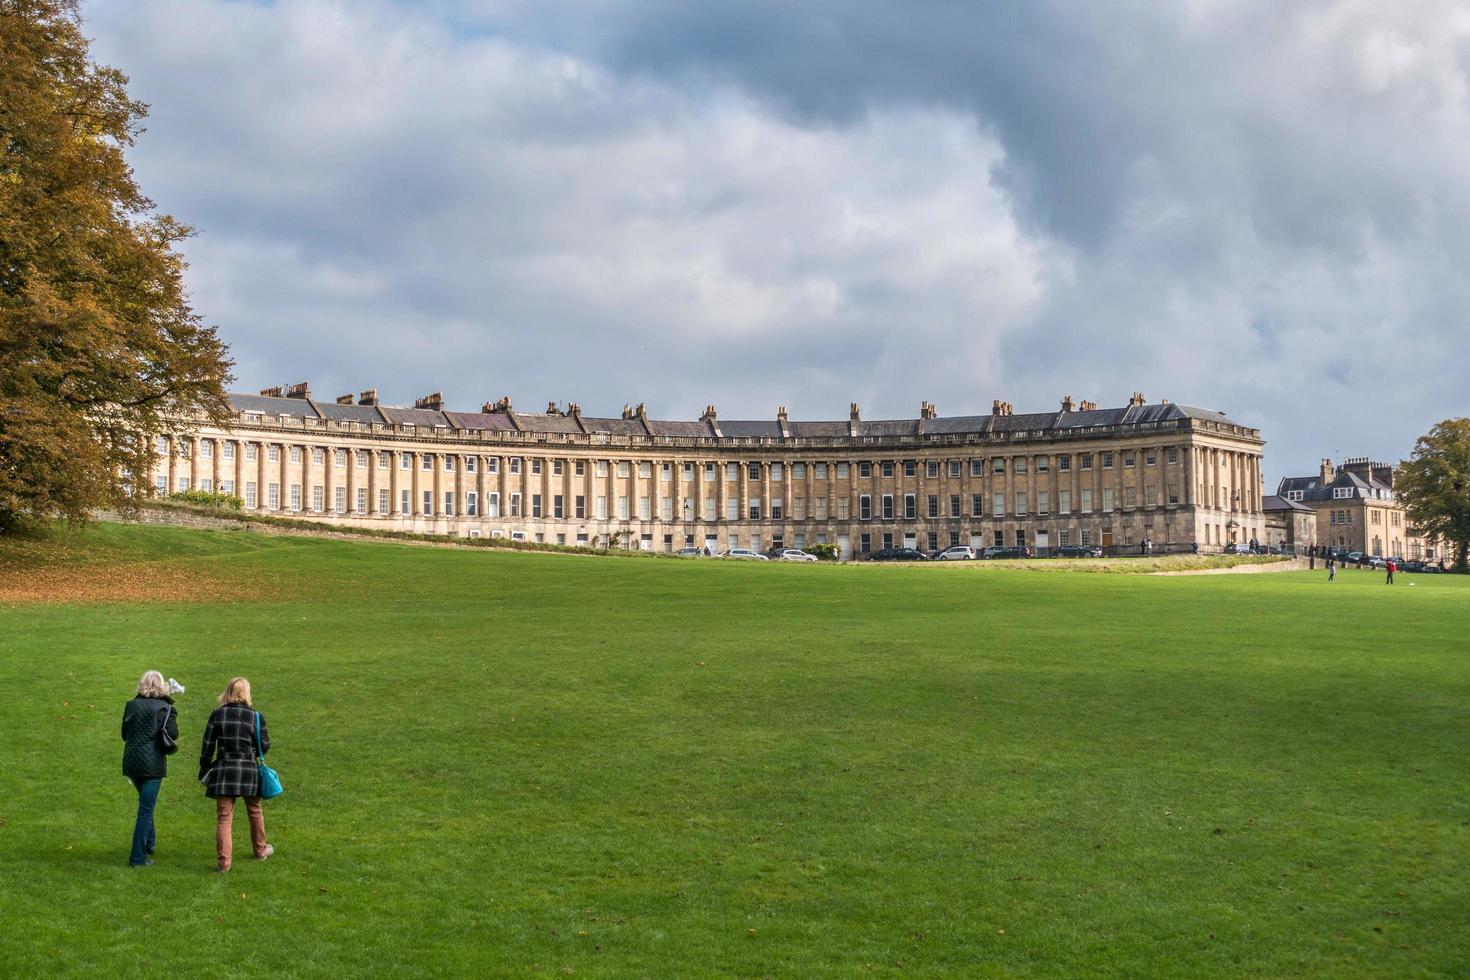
column 1357, row 510
column 1290, row 526
column 1078, row 475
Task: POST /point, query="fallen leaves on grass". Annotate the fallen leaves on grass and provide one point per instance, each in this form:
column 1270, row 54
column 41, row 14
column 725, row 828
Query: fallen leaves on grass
column 124, row 582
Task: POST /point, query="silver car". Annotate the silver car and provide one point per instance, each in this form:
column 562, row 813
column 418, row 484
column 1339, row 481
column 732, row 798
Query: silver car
column 960, row 552
column 745, row 553
column 795, row 554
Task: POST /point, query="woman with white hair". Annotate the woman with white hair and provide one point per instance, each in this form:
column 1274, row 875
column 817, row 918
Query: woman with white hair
column 234, row 738
column 150, row 732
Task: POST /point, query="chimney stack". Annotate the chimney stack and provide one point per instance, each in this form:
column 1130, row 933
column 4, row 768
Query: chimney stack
column 1067, row 404
column 710, row 419
column 344, row 399
column 299, row 390
column 928, row 411
column 276, row 392
column 1327, row 472
column 552, row 409
column 1137, row 401
column 434, row 402
column 1087, row 406
column 369, row 397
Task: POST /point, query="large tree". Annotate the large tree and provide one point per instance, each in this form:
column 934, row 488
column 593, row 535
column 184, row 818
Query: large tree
column 98, row 343
column 1434, row 484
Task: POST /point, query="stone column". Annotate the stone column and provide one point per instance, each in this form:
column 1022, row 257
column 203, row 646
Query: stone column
column 459, row 501
column 438, row 499
column 283, row 496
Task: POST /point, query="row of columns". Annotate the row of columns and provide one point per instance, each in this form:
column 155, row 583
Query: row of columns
column 1241, row 470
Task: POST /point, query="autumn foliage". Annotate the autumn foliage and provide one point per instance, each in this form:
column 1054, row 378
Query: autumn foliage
column 1434, row 484
column 98, row 343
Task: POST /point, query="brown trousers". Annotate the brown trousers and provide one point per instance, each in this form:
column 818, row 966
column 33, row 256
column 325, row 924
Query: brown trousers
column 223, row 838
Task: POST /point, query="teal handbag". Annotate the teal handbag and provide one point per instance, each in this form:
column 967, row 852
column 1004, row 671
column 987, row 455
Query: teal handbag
column 270, row 783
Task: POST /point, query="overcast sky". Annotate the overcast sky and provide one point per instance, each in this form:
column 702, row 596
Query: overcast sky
column 1257, row 207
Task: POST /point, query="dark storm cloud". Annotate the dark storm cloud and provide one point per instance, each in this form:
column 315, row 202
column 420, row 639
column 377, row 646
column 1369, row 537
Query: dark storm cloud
column 1248, row 206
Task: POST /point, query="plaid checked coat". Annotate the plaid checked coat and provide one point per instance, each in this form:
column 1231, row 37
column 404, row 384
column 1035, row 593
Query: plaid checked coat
column 227, row 765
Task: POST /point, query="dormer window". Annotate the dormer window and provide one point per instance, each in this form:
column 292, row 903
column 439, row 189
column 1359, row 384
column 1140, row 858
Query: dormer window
column 1342, row 493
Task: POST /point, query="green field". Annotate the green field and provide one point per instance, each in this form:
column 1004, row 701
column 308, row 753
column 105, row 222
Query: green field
column 524, row 764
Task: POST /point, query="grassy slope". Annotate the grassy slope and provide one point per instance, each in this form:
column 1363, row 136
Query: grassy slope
column 522, row 763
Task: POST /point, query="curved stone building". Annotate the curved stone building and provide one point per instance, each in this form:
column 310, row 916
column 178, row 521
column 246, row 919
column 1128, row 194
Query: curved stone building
column 1079, row 475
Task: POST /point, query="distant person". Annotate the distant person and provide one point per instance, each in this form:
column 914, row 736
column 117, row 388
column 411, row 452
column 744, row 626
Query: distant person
column 1392, row 567
column 1331, row 569
column 150, row 733
column 228, row 769
column 1194, row 547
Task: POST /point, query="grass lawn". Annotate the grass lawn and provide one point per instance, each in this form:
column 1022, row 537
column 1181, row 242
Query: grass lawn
column 525, row 764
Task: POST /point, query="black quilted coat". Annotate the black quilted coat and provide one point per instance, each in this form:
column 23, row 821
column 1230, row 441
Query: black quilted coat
column 227, row 763
column 143, row 756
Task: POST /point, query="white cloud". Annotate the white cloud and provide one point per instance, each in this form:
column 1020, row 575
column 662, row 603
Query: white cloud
column 383, row 202
column 1261, row 206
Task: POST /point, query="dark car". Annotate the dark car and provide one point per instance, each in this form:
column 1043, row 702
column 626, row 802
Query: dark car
column 999, row 551
column 1411, row 566
column 1078, row 551
column 898, row 554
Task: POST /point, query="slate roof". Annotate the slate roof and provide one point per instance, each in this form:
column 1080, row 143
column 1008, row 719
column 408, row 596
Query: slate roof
column 547, row 423
column 889, row 427
column 682, row 430
column 488, row 421
column 817, row 430
column 299, row 407
column 422, row 417
column 741, row 429
column 1312, row 487
column 1272, row 502
column 1056, row 421
column 365, row 414
column 615, row 427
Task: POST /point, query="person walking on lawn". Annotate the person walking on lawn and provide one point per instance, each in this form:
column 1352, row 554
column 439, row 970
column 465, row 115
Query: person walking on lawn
column 1331, row 568
column 228, row 769
column 150, row 733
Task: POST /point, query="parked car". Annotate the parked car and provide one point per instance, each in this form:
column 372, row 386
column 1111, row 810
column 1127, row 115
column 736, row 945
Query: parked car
column 999, row 551
column 1237, row 548
column 1373, row 561
column 1355, row 557
column 690, row 552
column 793, row 554
column 744, row 553
column 960, row 552
column 1078, row 551
column 1412, row 566
column 897, row 554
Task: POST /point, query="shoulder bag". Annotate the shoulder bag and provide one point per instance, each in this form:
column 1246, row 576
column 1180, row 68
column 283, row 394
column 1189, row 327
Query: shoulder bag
column 270, row 783
column 168, row 745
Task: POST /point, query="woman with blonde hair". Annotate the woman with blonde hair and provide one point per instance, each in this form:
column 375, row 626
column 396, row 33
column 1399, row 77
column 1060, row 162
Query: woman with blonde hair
column 228, row 768
column 150, row 733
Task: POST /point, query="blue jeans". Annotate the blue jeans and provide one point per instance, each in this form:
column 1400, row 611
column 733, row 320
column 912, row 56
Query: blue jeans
column 143, row 833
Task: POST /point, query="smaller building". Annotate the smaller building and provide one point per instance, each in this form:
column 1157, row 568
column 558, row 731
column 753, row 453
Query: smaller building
column 1357, row 510
column 1290, row 526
